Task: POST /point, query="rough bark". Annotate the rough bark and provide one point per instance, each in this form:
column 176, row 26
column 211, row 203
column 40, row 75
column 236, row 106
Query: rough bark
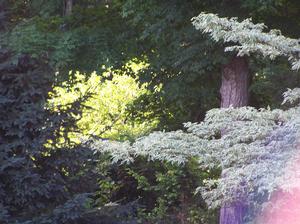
column 234, row 92
column 68, row 7
column 233, row 213
column 235, row 82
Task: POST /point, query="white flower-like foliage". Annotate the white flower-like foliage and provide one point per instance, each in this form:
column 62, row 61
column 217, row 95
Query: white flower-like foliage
column 249, row 37
column 253, row 148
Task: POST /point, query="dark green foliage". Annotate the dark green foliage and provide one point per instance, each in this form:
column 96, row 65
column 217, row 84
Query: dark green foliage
column 269, row 81
column 53, row 183
column 110, row 32
column 188, row 64
column 277, row 14
column 95, row 34
column 180, row 58
column 67, row 183
column 27, row 178
column 21, row 104
column 163, row 190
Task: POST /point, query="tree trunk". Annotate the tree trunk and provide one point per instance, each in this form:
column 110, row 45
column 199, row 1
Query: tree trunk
column 233, row 213
column 68, row 7
column 234, row 92
column 235, row 82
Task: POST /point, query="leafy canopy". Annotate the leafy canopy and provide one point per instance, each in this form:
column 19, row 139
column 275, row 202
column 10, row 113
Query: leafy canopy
column 239, row 141
column 105, row 112
column 249, row 37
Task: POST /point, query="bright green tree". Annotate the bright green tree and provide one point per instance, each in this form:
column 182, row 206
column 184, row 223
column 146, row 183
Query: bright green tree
column 105, row 112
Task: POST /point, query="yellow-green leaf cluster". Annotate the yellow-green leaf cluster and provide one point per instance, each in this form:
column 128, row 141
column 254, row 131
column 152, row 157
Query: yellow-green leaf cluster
column 105, row 110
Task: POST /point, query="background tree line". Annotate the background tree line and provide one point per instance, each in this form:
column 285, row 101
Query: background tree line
column 46, row 174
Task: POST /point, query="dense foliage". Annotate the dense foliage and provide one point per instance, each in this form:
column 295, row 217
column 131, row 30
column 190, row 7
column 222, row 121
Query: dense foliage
column 252, row 147
column 106, row 111
column 41, row 177
column 154, row 70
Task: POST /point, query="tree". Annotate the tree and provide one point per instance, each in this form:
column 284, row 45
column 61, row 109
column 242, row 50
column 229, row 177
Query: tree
column 68, row 7
column 41, row 174
column 239, row 141
column 269, row 44
column 234, row 92
column 250, row 38
column 105, row 113
column 191, row 62
column 235, row 83
column 185, row 63
column 94, row 30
